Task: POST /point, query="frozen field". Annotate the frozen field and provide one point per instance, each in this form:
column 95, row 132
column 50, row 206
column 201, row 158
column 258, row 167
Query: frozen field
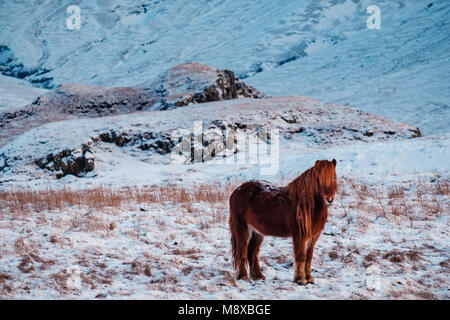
column 381, row 241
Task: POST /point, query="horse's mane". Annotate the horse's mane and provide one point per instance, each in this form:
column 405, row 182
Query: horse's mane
column 305, row 189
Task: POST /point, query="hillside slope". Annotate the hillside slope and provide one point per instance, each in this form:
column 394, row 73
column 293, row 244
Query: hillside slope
column 314, row 48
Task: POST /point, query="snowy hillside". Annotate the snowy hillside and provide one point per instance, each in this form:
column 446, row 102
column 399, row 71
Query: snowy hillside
column 320, row 49
column 400, row 71
column 124, row 145
column 16, row 94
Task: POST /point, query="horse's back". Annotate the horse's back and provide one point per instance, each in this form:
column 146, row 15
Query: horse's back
column 248, row 189
column 264, row 206
column 252, row 189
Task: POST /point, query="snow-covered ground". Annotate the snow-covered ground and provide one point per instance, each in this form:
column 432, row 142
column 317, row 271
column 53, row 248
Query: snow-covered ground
column 378, row 242
column 16, row 94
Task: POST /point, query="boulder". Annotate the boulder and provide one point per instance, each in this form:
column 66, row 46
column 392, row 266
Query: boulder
column 75, row 162
column 3, row 162
column 120, row 139
column 196, row 83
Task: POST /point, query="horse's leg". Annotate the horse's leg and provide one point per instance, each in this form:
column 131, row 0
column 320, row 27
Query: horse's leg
column 242, row 239
column 300, row 259
column 252, row 255
column 309, row 255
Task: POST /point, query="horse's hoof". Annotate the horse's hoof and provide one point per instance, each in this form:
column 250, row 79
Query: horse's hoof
column 242, row 277
column 301, row 282
column 310, row 279
column 259, row 277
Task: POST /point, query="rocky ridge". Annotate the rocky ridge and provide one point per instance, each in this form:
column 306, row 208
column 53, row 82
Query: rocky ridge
column 178, row 87
column 156, row 136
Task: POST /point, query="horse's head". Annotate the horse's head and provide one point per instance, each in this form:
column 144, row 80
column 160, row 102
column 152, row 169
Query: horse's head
column 326, row 177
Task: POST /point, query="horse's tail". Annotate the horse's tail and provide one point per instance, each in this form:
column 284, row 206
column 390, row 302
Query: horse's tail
column 234, row 212
column 238, row 225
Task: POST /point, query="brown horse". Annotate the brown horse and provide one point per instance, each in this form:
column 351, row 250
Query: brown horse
column 259, row 209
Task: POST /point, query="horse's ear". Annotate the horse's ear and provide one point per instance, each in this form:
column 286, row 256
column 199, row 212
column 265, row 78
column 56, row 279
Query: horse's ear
column 317, row 162
column 334, row 162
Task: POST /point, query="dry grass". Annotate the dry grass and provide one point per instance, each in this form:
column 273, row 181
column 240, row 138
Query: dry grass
column 423, row 197
column 443, row 187
column 22, row 202
column 396, row 192
column 396, row 200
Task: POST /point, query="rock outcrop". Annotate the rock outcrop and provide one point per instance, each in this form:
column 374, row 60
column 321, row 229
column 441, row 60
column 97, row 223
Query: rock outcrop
column 196, row 83
column 94, row 101
column 75, row 162
column 3, row 162
column 180, row 86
